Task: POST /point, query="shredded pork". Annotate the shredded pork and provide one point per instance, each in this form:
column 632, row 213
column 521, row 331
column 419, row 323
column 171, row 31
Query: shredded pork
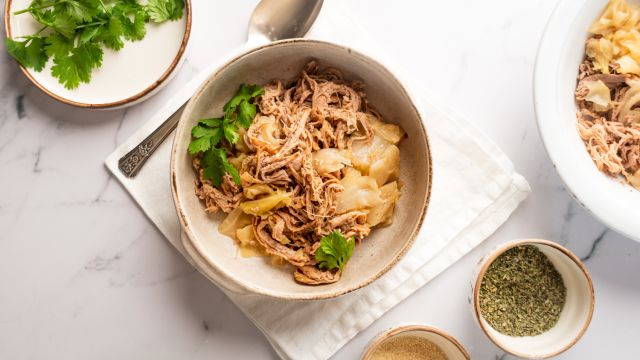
column 609, row 124
column 319, row 111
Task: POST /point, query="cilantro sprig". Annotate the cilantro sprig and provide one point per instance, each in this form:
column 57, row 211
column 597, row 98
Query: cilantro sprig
column 334, row 251
column 74, row 33
column 209, row 134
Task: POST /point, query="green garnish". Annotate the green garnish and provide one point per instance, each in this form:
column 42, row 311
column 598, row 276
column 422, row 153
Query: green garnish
column 334, row 251
column 74, row 32
column 208, row 134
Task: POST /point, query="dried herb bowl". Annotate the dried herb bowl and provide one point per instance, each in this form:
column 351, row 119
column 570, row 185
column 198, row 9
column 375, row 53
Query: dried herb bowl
column 576, row 312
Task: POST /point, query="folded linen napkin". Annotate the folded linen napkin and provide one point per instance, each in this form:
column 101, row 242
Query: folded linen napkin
column 475, row 189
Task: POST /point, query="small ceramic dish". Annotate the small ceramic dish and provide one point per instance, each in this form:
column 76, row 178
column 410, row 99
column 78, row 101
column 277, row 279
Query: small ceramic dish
column 559, row 56
column 379, row 251
column 574, row 318
column 450, row 347
column 126, row 77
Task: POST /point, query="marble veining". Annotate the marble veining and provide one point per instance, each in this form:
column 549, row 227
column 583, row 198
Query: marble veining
column 84, row 274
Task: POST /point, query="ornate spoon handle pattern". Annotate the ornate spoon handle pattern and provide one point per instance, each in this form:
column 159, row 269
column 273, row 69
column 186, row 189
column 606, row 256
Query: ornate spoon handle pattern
column 131, row 163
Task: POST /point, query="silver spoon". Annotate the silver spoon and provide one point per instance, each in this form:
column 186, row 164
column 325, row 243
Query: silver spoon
column 271, row 20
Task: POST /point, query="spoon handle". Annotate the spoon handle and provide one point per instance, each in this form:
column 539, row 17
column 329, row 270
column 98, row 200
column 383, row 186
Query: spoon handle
column 132, row 162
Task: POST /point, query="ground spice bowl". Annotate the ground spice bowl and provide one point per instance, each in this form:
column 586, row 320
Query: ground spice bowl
column 574, row 318
column 451, row 347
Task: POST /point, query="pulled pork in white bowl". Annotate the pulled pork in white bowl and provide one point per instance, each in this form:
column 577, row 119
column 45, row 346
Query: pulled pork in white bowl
column 293, row 173
column 587, row 93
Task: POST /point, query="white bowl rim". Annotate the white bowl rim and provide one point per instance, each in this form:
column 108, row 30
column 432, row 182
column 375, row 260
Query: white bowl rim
column 493, row 255
column 149, row 90
column 625, row 223
column 276, row 294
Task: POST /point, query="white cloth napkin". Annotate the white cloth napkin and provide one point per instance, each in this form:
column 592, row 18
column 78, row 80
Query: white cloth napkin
column 475, row 189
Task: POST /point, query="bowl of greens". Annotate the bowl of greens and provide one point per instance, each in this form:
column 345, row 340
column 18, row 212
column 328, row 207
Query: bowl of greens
column 98, row 53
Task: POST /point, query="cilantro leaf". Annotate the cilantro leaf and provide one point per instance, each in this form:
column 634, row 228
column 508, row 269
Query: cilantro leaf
column 213, row 122
column 162, row 10
column 230, row 131
column 58, row 45
column 132, row 17
column 87, row 34
column 79, row 10
column 111, row 34
column 61, row 23
column 76, row 68
column 246, row 113
column 216, row 164
column 208, row 133
column 211, row 166
column 29, row 53
column 244, row 94
column 200, row 145
column 334, row 251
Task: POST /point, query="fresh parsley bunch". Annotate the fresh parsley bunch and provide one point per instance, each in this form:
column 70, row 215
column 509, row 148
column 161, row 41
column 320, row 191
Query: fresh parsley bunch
column 209, row 133
column 334, row 251
column 74, row 31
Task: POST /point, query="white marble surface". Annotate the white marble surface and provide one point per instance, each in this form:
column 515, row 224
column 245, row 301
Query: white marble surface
column 83, row 273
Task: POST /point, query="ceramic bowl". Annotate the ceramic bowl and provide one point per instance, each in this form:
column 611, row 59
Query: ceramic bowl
column 560, row 53
column 451, row 347
column 574, row 318
column 126, row 77
column 381, row 249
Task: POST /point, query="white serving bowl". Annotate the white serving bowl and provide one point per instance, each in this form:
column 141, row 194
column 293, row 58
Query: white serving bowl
column 451, row 347
column 126, row 77
column 561, row 52
column 574, row 318
column 217, row 255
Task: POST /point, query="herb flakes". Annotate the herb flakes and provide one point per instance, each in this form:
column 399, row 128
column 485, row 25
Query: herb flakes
column 522, row 293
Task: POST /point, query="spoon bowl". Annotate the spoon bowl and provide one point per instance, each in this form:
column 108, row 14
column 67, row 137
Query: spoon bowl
column 282, row 19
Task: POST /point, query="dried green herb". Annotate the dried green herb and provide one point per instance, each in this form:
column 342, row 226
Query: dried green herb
column 522, row 293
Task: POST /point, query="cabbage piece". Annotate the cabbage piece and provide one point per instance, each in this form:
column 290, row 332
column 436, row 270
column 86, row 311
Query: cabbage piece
column 234, row 221
column 627, row 65
column 330, row 160
column 256, row 190
column 599, row 94
column 389, row 132
column 617, row 16
column 262, row 206
column 601, row 52
column 383, row 213
column 387, row 166
column 241, row 145
column 363, row 154
column 360, row 192
column 265, row 133
column 236, row 161
column 247, row 242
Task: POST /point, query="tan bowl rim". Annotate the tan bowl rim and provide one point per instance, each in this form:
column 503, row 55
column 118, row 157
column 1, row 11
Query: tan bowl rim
column 274, row 294
column 130, row 99
column 510, row 245
column 406, row 328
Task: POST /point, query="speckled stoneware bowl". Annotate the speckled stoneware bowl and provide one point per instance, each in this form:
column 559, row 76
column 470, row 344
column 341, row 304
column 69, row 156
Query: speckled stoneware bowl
column 574, row 318
column 381, row 250
column 451, row 347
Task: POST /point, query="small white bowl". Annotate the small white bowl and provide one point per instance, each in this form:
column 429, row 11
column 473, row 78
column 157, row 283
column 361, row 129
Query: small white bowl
column 561, row 52
column 574, row 318
column 451, row 347
column 129, row 76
